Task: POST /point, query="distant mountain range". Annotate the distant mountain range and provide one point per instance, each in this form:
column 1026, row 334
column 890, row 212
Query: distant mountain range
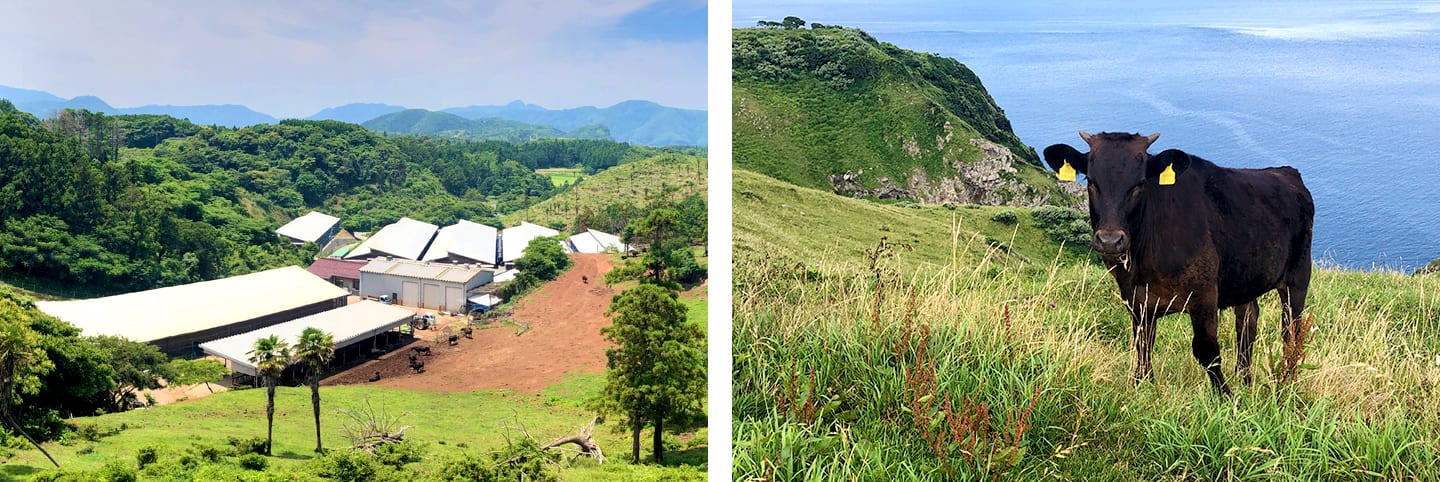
column 444, row 124
column 635, row 121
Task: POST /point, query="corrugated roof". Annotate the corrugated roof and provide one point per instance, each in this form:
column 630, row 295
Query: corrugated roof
column 464, row 239
column 406, row 238
column 592, row 241
column 177, row 310
column 347, row 325
column 513, row 240
column 454, row 273
column 309, row 227
column 326, row 268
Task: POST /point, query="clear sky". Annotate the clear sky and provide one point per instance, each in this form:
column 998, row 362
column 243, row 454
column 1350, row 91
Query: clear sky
column 291, row 59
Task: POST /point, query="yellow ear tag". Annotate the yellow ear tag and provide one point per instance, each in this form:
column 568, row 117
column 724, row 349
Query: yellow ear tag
column 1167, row 177
column 1066, row 173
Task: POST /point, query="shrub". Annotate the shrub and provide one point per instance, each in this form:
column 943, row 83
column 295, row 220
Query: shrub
column 1006, row 217
column 350, row 466
column 252, row 445
column 398, row 454
column 466, row 469
column 254, row 462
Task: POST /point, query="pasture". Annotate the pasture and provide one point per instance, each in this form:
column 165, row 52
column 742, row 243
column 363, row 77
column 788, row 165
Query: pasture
column 560, row 176
column 953, row 360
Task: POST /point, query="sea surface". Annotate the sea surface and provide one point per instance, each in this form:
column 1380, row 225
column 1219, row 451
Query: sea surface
column 1353, row 104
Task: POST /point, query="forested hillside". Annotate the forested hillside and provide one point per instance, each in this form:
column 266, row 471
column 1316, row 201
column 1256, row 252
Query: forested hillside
column 444, row 124
column 832, row 108
column 93, row 204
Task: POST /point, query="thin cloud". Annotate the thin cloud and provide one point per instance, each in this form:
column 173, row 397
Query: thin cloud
column 292, row 59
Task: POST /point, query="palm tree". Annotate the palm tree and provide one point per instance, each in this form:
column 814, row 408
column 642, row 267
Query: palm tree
column 270, row 357
column 316, row 348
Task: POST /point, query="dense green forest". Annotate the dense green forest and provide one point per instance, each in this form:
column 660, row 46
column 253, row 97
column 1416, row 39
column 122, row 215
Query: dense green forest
column 93, row 204
column 445, row 124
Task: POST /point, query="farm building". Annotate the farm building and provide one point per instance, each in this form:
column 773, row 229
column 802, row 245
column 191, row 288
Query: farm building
column 340, row 272
column 178, row 319
column 592, row 241
column 314, row 227
column 464, row 242
column 406, row 238
column 349, row 325
column 436, row 286
column 514, row 239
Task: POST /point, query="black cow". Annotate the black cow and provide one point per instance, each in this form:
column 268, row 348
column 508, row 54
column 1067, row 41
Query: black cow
column 468, row 332
column 1181, row 234
column 454, row 340
column 423, row 350
column 418, row 366
column 375, row 377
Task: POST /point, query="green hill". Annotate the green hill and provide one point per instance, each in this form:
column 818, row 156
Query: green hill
column 444, row 124
column 628, row 184
column 812, row 104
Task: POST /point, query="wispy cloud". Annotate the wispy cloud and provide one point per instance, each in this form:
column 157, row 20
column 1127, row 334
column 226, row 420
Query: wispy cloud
column 293, row 58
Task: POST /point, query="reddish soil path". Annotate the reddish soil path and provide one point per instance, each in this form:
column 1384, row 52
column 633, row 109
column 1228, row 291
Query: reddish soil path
column 564, row 315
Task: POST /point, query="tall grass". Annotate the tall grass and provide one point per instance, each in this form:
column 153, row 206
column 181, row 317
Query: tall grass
column 872, row 367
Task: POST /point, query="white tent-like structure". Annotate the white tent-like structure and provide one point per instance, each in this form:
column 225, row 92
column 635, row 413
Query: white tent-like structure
column 464, row 242
column 406, row 238
column 314, row 227
column 592, row 241
column 348, row 325
column 514, row 239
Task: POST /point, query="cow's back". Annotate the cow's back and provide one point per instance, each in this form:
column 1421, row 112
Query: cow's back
column 1260, row 223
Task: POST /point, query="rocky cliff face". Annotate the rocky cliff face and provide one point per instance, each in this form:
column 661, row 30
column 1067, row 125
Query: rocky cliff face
column 835, row 108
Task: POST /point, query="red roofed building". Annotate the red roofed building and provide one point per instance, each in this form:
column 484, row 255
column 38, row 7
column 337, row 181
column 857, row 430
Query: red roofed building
column 341, row 272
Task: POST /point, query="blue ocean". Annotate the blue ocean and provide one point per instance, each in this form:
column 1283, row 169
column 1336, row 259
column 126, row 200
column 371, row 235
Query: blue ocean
column 1354, row 105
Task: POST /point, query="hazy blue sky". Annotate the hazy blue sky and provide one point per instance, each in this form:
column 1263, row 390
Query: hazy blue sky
column 1295, row 19
column 290, row 59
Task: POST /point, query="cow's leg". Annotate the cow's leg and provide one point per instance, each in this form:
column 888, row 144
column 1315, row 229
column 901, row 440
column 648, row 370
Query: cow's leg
column 1246, row 316
column 1292, row 295
column 1142, row 323
column 1205, row 320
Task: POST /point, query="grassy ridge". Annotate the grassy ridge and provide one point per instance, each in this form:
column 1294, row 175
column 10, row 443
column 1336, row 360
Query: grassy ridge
column 628, row 183
column 811, row 103
column 561, row 176
column 857, row 363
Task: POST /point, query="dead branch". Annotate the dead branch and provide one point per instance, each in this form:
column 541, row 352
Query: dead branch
column 583, row 440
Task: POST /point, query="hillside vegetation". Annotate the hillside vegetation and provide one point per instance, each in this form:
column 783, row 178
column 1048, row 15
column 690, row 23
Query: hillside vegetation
column 811, row 104
column 93, row 204
column 633, row 121
column 618, row 193
column 862, row 359
column 451, row 126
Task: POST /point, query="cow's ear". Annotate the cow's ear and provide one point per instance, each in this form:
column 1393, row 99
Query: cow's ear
column 1166, row 165
column 1065, row 161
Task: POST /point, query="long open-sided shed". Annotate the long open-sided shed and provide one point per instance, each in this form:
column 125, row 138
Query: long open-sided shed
column 348, row 325
column 314, row 227
column 514, row 239
column 406, row 238
column 464, row 242
column 592, row 241
column 178, row 318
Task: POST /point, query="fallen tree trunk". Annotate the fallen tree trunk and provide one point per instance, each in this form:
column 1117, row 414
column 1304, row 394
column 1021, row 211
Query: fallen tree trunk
column 583, row 440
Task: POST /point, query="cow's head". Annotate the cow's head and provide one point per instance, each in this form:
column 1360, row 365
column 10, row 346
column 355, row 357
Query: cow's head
column 1119, row 172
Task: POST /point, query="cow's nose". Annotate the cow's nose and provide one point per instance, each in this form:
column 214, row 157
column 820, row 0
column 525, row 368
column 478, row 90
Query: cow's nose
column 1111, row 241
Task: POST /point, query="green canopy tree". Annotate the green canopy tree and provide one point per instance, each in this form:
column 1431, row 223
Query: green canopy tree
column 189, row 372
column 22, row 361
column 138, row 366
column 316, row 348
column 270, row 356
column 656, row 371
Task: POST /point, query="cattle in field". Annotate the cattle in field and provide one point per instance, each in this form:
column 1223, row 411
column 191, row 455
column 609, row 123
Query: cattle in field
column 454, row 340
column 375, row 377
column 468, row 332
column 1181, row 234
column 423, row 350
column 418, row 366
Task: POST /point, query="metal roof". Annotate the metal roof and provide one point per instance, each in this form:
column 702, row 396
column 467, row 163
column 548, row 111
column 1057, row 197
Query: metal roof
column 309, row 227
column 347, row 325
column 454, row 273
column 177, row 310
column 513, row 240
column 406, row 238
column 326, row 268
column 592, row 241
column 464, row 239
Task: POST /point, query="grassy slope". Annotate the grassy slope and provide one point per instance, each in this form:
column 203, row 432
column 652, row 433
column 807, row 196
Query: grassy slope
column 824, row 393
column 561, row 176
column 629, row 182
column 795, row 122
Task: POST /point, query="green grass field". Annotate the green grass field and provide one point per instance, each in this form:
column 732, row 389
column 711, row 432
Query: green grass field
column 561, row 176
column 953, row 361
column 448, row 425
